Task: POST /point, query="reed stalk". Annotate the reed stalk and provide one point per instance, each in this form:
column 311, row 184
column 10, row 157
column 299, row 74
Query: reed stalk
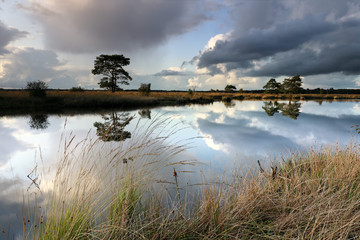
column 97, row 195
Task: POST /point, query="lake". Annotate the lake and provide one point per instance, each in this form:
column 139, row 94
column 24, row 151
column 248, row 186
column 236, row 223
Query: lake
column 220, row 136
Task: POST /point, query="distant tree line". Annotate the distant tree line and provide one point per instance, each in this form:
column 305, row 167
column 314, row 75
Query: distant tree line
column 313, row 91
column 294, row 85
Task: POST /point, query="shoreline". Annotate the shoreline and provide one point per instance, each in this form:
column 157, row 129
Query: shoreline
column 19, row 101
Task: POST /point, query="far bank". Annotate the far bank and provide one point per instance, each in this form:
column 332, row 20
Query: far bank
column 58, row 100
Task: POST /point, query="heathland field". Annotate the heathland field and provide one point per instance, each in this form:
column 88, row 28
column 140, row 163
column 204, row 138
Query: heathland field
column 11, row 100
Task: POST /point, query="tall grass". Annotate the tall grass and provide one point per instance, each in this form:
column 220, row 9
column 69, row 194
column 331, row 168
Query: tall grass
column 100, row 185
column 130, row 190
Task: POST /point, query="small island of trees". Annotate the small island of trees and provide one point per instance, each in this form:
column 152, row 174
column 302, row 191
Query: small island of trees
column 289, row 85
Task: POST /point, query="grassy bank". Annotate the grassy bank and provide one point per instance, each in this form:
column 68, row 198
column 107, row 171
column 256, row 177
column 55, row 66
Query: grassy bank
column 131, row 191
column 64, row 100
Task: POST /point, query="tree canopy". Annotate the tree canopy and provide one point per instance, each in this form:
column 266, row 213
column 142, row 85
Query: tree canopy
column 230, row 88
column 272, row 86
column 291, row 109
column 289, row 85
column 292, row 85
column 37, row 88
column 111, row 66
column 113, row 127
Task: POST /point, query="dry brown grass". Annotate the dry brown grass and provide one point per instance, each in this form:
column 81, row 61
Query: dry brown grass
column 133, row 99
column 98, row 195
column 179, row 94
column 21, row 101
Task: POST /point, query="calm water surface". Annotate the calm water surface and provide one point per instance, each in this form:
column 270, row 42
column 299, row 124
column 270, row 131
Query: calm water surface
column 220, row 135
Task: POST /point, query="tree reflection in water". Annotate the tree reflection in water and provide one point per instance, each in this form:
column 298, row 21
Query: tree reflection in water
column 291, row 109
column 112, row 129
column 145, row 113
column 271, row 108
column 229, row 104
column 39, row 121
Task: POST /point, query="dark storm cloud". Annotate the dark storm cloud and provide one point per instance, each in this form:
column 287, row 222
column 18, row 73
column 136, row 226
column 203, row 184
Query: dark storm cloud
column 338, row 52
column 257, row 44
column 165, row 73
column 91, row 26
column 256, row 14
column 7, row 35
column 340, row 58
column 273, row 38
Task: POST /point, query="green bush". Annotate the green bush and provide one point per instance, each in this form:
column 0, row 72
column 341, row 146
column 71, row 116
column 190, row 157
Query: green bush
column 37, row 88
column 77, row 89
column 230, row 88
column 145, row 89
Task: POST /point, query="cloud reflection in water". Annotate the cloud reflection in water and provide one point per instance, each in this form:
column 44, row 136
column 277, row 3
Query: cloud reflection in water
column 238, row 134
column 246, row 131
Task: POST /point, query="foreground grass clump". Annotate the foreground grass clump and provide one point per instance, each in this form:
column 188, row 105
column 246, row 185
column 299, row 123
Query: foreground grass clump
column 131, row 191
column 313, row 196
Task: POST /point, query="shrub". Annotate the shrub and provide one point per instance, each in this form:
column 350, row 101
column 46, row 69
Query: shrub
column 77, row 89
column 145, row 88
column 37, row 88
column 230, row 88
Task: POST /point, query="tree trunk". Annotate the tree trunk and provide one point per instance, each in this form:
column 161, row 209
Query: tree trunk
column 113, row 85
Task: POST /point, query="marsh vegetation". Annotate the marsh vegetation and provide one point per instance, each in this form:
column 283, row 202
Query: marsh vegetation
column 64, row 100
column 139, row 189
column 135, row 175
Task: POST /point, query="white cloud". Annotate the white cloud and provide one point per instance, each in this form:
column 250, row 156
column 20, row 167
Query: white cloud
column 217, row 81
column 23, row 65
column 210, row 141
column 220, row 119
column 194, row 83
column 28, row 64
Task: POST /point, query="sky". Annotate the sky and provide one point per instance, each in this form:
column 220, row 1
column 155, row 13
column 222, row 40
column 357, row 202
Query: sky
column 177, row 45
